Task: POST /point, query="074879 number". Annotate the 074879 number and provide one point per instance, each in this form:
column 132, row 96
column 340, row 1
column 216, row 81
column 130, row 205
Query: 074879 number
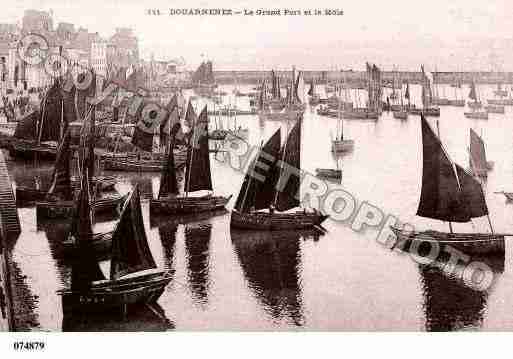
column 28, row 346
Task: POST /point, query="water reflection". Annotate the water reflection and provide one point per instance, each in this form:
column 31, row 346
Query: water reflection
column 197, row 243
column 271, row 262
column 167, row 235
column 451, row 304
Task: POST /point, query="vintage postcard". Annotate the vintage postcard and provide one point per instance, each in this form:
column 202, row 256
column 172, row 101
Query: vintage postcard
column 271, row 166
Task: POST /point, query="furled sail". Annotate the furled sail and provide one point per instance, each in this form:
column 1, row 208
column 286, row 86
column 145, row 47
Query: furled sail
column 61, row 178
column 168, row 182
column 477, row 153
column 130, row 250
column 255, row 194
column 82, row 107
column 291, row 157
column 444, row 194
column 197, row 172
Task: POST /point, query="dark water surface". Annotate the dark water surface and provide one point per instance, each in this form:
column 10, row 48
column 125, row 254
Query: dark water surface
column 343, row 280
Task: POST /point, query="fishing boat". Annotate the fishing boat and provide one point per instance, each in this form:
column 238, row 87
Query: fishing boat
column 494, row 109
column 341, row 144
column 428, row 109
column 500, row 92
column 256, row 196
column 437, row 99
column 329, row 173
column 479, row 166
column 449, row 194
column 457, row 101
column 375, row 92
column 475, row 105
column 60, row 202
column 293, row 106
column 501, row 101
column 134, row 277
column 197, row 177
column 402, row 113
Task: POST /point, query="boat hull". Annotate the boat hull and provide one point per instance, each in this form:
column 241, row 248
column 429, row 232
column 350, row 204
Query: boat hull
column 495, row 109
column 117, row 293
column 66, row 209
column 131, row 163
column 185, row 205
column 501, row 102
column 432, row 112
column 457, row 103
column 400, row 115
column 276, row 221
column 101, row 246
column 280, row 116
column 468, row 243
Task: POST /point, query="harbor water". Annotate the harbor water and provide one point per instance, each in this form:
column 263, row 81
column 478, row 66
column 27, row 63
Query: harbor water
column 228, row 279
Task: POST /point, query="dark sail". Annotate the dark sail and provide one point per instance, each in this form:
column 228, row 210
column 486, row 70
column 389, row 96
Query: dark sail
column 472, row 94
column 197, row 172
column 472, row 194
column 441, row 197
column 50, row 123
column 477, row 153
column 61, row 178
column 168, row 182
column 26, row 129
column 190, row 115
column 167, row 124
column 68, row 91
column 253, row 193
column 291, row 157
column 261, row 99
column 82, row 106
column 130, row 250
column 407, row 93
column 85, row 268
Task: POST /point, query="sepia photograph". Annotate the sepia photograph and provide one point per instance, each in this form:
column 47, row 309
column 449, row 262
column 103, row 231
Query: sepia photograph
column 284, row 166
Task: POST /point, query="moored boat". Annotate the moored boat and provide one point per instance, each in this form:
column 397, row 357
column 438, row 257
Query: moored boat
column 255, row 196
column 449, row 194
column 197, row 176
column 494, row 109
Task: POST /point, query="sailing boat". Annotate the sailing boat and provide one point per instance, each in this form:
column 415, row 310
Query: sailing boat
column 330, row 174
column 402, row 114
column 457, row 101
column 427, row 97
column 197, row 177
column 475, row 105
column 59, row 201
column 450, row 194
column 259, row 194
column 145, row 160
column 477, row 156
column 134, row 276
column 40, row 129
column 295, row 102
column 437, row 99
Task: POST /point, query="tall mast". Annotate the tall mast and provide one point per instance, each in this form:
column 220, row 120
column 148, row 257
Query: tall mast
column 189, row 164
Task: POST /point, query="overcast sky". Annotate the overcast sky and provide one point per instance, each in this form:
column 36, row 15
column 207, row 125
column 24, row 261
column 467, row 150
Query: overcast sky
column 443, row 34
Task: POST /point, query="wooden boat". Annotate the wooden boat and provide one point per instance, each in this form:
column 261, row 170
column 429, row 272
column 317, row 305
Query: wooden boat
column 131, row 162
column 400, row 115
column 197, row 177
column 477, row 115
column 360, row 114
column 28, row 194
column 59, row 202
column 474, row 104
column 329, row 173
column 341, row 144
column 134, row 277
column 259, row 195
column 38, row 131
column 501, row 102
column 494, row 109
column 428, row 112
column 479, row 166
column 449, row 194
column 457, row 103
